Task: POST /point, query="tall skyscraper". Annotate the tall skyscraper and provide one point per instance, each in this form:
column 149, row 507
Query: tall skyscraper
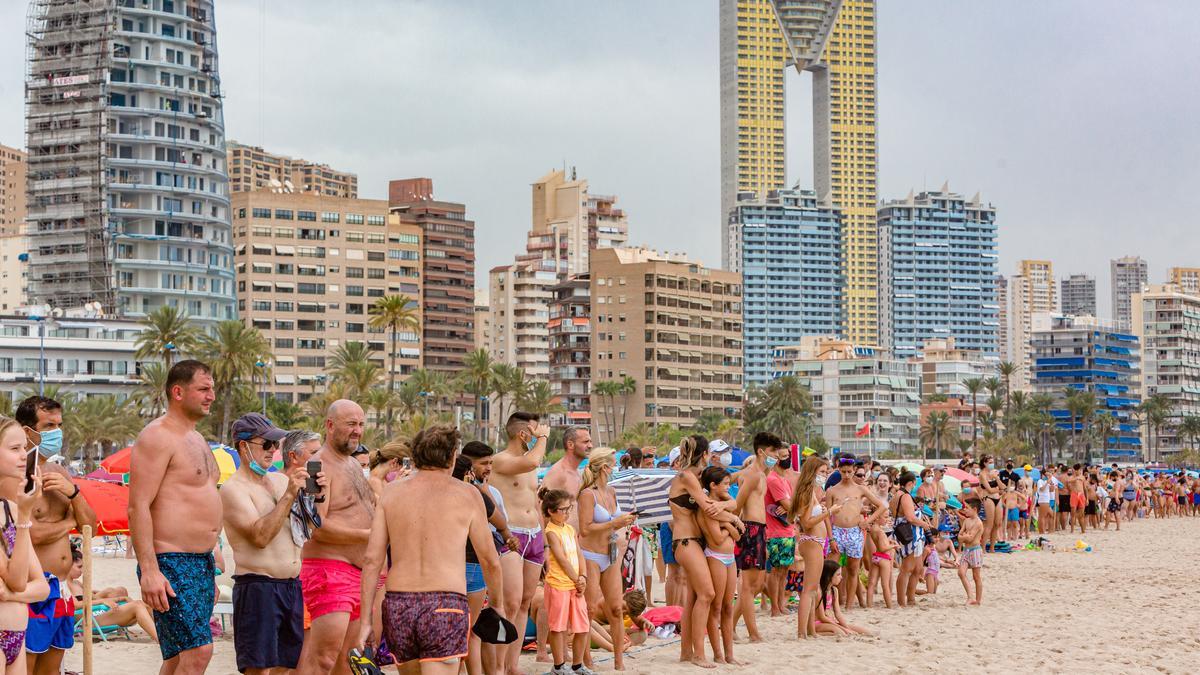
column 1078, row 295
column 447, row 272
column 1031, row 292
column 12, row 190
column 252, row 168
column 128, row 196
column 309, row 268
column 937, row 271
column 1128, row 276
column 835, row 40
column 1164, row 321
column 1002, row 311
column 790, row 247
column 1186, row 278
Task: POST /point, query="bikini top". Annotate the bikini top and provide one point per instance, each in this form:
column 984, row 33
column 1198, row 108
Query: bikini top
column 685, row 501
column 10, row 531
column 816, row 507
column 599, row 513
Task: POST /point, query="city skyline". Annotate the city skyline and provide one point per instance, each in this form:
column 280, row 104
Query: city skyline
column 655, row 86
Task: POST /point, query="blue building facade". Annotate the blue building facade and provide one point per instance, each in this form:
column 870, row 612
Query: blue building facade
column 937, row 273
column 1087, row 356
column 789, row 248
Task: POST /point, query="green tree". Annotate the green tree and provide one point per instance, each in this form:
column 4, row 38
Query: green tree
column 478, row 380
column 348, row 355
column 938, row 432
column 167, row 332
column 231, row 351
column 507, row 382
column 96, row 426
column 1189, row 428
column 627, row 388
column 539, row 399
column 605, row 391
column 395, row 313
column 778, row 408
column 1006, row 370
column 974, row 385
column 1103, row 427
column 152, row 384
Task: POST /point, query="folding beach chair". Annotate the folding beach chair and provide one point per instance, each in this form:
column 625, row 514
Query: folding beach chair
column 102, row 632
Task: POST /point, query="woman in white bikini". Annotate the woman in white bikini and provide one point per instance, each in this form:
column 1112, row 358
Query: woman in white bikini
column 600, row 529
column 813, row 541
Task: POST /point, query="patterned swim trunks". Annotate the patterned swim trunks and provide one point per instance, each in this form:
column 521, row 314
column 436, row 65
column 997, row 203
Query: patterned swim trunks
column 184, row 625
column 781, row 552
column 751, row 549
column 426, row 626
column 849, row 541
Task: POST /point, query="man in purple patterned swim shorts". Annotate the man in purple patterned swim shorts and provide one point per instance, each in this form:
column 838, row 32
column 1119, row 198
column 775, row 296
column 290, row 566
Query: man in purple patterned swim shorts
column 425, row 615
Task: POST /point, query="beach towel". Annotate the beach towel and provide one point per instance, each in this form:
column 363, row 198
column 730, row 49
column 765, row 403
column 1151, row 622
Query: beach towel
column 661, row 616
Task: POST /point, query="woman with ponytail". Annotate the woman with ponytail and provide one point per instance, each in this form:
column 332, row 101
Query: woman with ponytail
column 600, row 543
column 812, row 518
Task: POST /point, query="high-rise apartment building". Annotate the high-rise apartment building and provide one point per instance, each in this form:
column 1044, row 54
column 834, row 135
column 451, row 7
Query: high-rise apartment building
column 937, row 271
column 1031, row 292
column 1078, row 293
column 309, row 268
column 14, row 272
column 672, row 325
column 127, row 189
column 855, row 386
column 1088, row 354
column 790, row 248
column 447, row 272
column 1128, row 276
column 483, row 319
column 1186, row 278
column 520, row 296
column 571, row 348
column 568, row 221
column 13, row 163
column 945, row 368
column 1166, row 320
column 252, row 168
column 1002, row 335
column 835, row 40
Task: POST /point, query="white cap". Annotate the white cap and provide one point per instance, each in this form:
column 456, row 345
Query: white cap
column 717, row 446
column 673, row 454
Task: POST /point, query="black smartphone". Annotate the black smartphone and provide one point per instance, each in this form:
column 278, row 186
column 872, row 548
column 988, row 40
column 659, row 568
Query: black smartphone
column 31, row 462
column 406, row 463
column 310, row 486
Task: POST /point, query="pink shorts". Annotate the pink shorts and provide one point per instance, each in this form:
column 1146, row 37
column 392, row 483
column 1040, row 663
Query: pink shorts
column 330, row 586
column 566, row 611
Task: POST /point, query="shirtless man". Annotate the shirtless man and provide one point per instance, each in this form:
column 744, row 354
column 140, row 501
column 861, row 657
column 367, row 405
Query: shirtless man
column 425, row 615
column 752, row 547
column 268, row 610
column 329, row 572
column 514, row 473
column 564, row 474
column 854, row 495
column 1075, row 484
column 57, row 511
column 174, row 517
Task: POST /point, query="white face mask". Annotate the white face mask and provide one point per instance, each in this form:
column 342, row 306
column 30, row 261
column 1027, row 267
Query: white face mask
column 366, row 472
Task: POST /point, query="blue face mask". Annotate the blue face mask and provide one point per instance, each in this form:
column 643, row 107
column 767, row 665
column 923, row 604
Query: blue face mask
column 257, row 469
column 531, row 443
column 51, row 443
column 770, row 462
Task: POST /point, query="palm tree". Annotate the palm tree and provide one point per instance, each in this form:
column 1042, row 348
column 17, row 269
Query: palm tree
column 233, row 351
column 974, row 385
column 1006, row 370
column 1157, row 411
column 152, row 383
column 540, row 399
column 1061, row 440
column 167, row 331
column 358, row 378
column 937, row 430
column 707, row 423
column 779, row 408
column 995, row 404
column 1189, row 428
column 477, row 379
column 504, row 384
column 346, row 356
column 100, row 423
column 394, row 312
column 1081, row 405
column 1103, row 426
column 628, row 388
column 604, row 390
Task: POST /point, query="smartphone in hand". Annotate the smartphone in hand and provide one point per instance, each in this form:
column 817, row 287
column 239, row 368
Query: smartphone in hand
column 31, row 462
column 310, row 486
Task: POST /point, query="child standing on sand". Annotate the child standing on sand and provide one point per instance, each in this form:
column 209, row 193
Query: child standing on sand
column 881, row 563
column 972, row 552
column 719, row 552
column 566, row 609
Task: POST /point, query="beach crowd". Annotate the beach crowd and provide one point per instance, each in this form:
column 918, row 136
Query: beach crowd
column 434, row 555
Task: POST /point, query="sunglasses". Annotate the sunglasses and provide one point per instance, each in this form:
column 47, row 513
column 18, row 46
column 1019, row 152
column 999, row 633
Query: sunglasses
column 266, row 443
column 860, row 475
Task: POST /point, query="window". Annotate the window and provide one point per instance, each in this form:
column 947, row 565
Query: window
column 354, row 327
column 282, row 306
column 354, row 308
column 283, row 343
column 283, row 214
column 261, row 213
column 374, row 238
column 406, row 239
column 310, row 216
column 376, row 220
column 330, row 217
column 354, row 219
column 312, row 289
column 374, row 292
column 354, row 273
column 375, row 256
column 356, row 237
column 376, row 273
column 354, row 290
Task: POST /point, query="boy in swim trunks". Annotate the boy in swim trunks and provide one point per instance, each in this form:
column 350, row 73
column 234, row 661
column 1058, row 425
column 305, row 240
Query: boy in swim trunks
column 971, row 557
column 752, row 547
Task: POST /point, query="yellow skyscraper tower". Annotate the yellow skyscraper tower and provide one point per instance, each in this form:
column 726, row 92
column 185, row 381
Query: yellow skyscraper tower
column 835, row 40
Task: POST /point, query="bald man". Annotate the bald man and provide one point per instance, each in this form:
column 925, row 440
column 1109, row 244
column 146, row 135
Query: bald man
column 330, row 575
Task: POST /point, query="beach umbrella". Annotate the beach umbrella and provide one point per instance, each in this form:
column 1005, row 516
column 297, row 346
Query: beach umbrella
column 227, row 462
column 953, row 485
column 101, row 474
column 110, row 501
column 644, row 490
column 911, row 466
column 961, row 475
column 118, row 462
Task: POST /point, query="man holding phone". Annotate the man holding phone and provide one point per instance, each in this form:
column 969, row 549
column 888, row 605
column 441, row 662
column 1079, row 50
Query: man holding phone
column 267, row 604
column 58, row 510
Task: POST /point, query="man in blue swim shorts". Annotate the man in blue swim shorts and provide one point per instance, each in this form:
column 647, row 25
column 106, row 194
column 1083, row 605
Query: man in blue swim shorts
column 174, row 516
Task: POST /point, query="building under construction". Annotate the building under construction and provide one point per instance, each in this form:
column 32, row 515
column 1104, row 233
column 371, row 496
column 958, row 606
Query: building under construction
column 127, row 183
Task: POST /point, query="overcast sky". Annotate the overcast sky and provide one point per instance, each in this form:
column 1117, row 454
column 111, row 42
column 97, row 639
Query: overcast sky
column 1078, row 119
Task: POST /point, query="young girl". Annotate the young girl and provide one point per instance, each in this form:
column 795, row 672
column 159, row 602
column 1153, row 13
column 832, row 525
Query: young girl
column 720, row 538
column 566, row 609
column 813, row 540
column 881, row 565
column 939, row 550
column 20, row 572
column 829, row 619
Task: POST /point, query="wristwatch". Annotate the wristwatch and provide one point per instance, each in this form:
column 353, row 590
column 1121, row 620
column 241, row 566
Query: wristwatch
column 75, row 494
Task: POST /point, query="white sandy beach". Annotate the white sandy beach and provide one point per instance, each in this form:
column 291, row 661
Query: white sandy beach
column 1129, row 606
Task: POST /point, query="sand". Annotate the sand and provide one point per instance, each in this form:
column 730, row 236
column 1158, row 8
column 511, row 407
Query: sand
column 1130, row 605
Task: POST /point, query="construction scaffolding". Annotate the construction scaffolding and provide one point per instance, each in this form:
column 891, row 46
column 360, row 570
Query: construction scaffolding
column 67, row 64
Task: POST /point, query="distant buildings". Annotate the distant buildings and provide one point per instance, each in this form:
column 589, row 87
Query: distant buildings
column 672, row 325
column 1088, row 355
column 937, row 266
column 853, row 387
column 13, row 163
column 520, row 296
column 483, row 319
column 1167, row 321
column 1186, row 278
column 85, row 355
column 569, row 221
column 252, row 168
column 790, row 249
column 1031, row 292
column 1128, row 277
column 309, row 268
column 570, row 328
column 1078, row 295
column 945, row 368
